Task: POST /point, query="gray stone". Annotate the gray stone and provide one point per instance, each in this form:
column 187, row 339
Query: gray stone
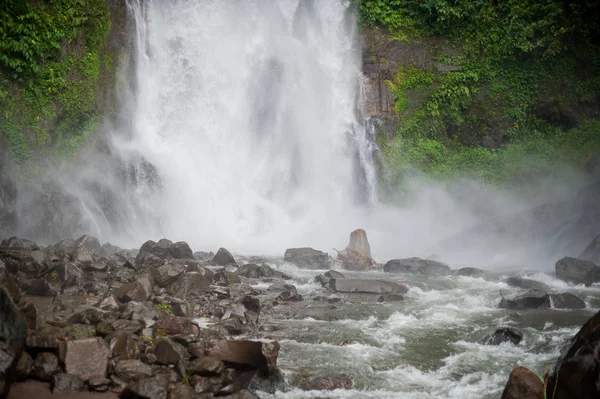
column 45, row 366
column 138, row 291
column 41, row 287
column 542, row 300
column 333, row 274
column 24, row 366
column 132, row 369
column 255, row 354
column 169, row 352
column 9, row 282
column 85, row 358
column 65, row 383
column 181, row 250
column 168, row 273
column 12, row 337
column 527, row 283
column 367, row 286
column 417, row 266
column 207, row 365
column 577, row 271
column 390, row 298
column 523, row 384
column 307, row 258
column 503, row 335
column 123, row 346
column 191, row 283
column 90, row 243
column 223, row 258
column 99, row 384
column 469, row 272
column 147, row 388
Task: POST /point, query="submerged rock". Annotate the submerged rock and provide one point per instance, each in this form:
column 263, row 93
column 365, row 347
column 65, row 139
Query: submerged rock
column 543, row 300
column 307, row 258
column 417, row 266
column 577, row 372
column 577, row 271
column 523, row 384
column 367, row 286
column 469, row 272
column 527, row 283
column 323, row 383
column 503, row 335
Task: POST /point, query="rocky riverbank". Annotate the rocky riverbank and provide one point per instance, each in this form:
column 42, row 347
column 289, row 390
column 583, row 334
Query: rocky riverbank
column 163, row 321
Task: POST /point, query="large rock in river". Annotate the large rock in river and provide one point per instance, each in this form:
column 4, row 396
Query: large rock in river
column 357, row 255
column 417, row 266
column 577, row 372
column 543, row 300
column 523, row 384
column 307, row 258
column 367, row 286
column 577, row 271
column 592, row 252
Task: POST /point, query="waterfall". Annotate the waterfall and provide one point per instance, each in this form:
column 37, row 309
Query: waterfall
column 248, row 112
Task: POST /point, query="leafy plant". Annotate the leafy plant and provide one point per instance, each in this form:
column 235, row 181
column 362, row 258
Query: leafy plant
column 163, row 307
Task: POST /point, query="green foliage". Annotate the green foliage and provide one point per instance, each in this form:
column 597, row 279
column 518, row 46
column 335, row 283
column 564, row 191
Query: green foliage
column 163, row 307
column 51, row 57
column 187, row 377
column 481, row 116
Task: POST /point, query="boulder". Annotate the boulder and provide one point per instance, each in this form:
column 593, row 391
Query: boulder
column 577, row 271
column 132, row 369
column 161, row 249
column 123, row 346
column 19, row 244
column 367, row 286
column 323, row 383
column 542, row 300
column 65, row 383
column 207, row 366
column 138, row 291
column 390, row 298
column 40, row 287
column 12, row 340
column 469, row 272
column 252, row 270
column 524, row 384
column 147, row 388
column 168, row 273
column 592, row 252
column 84, row 358
column 223, row 258
column 175, row 325
column 181, row 250
column 417, row 266
column 224, row 278
column 90, row 243
column 45, row 366
column 357, row 255
column 258, row 355
column 527, row 283
column 9, row 283
column 24, row 366
column 503, row 335
column 169, row 352
column 307, row 258
column 191, row 283
column 577, row 370
column 333, row 274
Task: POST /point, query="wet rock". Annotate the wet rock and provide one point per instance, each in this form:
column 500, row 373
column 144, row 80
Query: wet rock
column 469, row 272
column 65, row 246
column 307, row 258
column 183, row 391
column 539, row 299
column 24, row 366
column 99, row 384
column 45, row 366
column 245, row 309
column 207, row 385
column 109, row 303
column 223, row 258
column 523, row 384
column 41, row 287
column 161, row 249
column 124, row 347
column 333, row 274
column 323, row 280
column 191, row 283
column 367, row 286
column 65, row 383
column 566, row 301
column 390, row 298
column 68, row 272
column 146, row 261
column 181, row 310
column 592, row 252
column 169, row 352
column 323, row 383
column 503, row 335
column 206, row 366
column 357, row 255
column 138, row 291
column 168, row 273
column 47, row 341
column 85, row 357
column 79, row 331
column 526, row 283
column 243, row 394
column 417, row 266
column 174, row 325
column 252, row 270
column 12, row 337
column 577, row 271
column 132, row 369
column 108, row 250
column 147, row 388
column 90, row 316
column 576, row 372
column 130, row 326
column 204, row 256
column 19, row 244
column 143, row 311
column 224, row 278
column 289, row 296
column 31, row 315
column 181, row 250
column 9, row 283
column 90, row 243
column 258, row 355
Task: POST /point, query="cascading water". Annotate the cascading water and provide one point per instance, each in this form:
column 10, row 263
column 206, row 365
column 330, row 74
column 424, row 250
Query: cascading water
column 248, row 112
